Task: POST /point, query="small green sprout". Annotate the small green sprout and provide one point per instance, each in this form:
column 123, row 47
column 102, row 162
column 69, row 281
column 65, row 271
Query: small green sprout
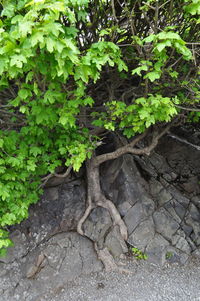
column 138, row 254
column 168, row 255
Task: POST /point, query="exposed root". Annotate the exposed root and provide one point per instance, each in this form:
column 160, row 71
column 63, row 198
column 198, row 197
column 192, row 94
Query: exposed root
column 117, row 220
column 85, row 216
column 96, row 198
column 108, row 261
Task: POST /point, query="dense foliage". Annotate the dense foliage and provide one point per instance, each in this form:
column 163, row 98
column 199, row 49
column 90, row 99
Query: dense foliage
column 71, row 69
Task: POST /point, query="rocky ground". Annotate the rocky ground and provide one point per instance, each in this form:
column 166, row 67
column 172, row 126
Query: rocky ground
column 148, row 282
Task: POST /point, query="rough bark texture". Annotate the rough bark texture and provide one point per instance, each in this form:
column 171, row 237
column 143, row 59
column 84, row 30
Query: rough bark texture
column 96, row 198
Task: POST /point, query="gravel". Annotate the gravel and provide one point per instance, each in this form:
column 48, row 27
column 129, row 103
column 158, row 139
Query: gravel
column 147, row 282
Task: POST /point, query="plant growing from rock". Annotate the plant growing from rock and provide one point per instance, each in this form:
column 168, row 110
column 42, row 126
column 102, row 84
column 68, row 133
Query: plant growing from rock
column 74, row 71
column 138, row 254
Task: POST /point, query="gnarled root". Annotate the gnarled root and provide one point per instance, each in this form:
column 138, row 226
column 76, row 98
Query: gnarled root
column 107, row 204
column 103, row 253
column 108, row 261
column 95, row 198
column 85, row 216
column 117, row 220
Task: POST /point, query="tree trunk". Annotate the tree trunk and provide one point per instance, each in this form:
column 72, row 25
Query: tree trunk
column 96, row 198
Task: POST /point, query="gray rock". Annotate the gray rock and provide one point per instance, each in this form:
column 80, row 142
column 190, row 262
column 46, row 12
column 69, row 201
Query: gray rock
column 174, row 255
column 146, row 166
column 155, row 187
column 98, row 223
column 196, row 200
column 115, row 244
column 179, row 241
column 142, row 235
column 194, row 212
column 187, row 229
column 191, row 243
column 156, row 249
column 195, row 236
column 55, row 254
column 20, row 248
column 123, row 208
column 192, row 185
column 128, row 193
column 134, row 217
column 52, row 193
column 196, row 253
column 179, row 197
column 164, row 223
column 163, row 197
column 171, row 176
column 148, row 205
column 161, row 221
column 180, row 210
column 170, row 209
column 158, row 162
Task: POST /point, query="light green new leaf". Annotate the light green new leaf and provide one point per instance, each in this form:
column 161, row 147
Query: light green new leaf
column 18, row 60
column 37, row 38
column 23, row 93
column 153, row 75
column 169, row 36
column 138, row 70
column 160, row 46
column 25, row 27
column 150, row 38
column 50, row 44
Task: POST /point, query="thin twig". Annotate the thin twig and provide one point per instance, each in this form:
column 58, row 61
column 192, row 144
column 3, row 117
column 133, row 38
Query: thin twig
column 51, row 175
column 187, row 109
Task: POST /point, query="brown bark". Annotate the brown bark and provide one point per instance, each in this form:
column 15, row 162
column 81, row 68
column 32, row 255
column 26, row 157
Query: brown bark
column 129, row 148
column 96, row 198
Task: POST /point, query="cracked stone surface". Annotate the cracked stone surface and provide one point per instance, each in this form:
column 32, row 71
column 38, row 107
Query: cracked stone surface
column 158, row 198
column 66, row 256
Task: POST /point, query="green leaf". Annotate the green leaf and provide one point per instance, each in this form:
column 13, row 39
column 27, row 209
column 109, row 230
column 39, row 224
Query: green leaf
column 23, row 93
column 150, row 38
column 1, row 143
column 16, row 19
column 193, row 8
column 25, row 27
column 173, row 74
column 35, row 151
column 37, row 38
column 50, row 44
column 18, row 60
column 104, row 32
column 31, row 166
column 162, row 45
column 169, row 36
column 8, row 10
column 153, row 75
column 22, row 109
column 29, row 76
column 138, row 70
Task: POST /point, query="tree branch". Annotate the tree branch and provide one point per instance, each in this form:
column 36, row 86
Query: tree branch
column 51, row 175
column 129, row 147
